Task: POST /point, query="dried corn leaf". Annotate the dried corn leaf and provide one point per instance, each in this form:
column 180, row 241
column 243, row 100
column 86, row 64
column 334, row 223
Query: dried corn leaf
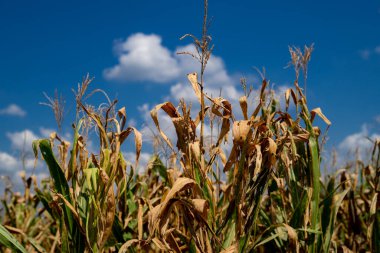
column 138, row 141
column 318, row 111
column 240, row 130
column 231, row 249
column 293, row 238
column 125, row 246
column 170, row 111
column 201, row 206
column 140, row 221
column 232, row 158
column 244, row 106
column 218, row 103
column 123, row 116
column 193, row 78
column 159, row 211
column 108, row 216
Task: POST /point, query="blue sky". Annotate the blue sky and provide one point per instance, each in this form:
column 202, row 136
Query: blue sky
column 48, row 45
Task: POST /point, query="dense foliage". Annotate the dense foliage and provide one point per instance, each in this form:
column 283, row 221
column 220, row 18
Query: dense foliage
column 253, row 185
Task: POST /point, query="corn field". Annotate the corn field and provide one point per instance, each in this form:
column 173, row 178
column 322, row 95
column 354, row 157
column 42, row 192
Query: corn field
column 254, row 185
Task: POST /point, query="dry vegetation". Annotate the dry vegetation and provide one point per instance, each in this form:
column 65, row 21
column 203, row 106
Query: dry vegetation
column 264, row 193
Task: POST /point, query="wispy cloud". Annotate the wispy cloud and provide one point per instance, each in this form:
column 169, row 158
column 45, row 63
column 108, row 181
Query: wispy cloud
column 13, row 110
column 377, row 119
column 377, row 49
column 365, row 54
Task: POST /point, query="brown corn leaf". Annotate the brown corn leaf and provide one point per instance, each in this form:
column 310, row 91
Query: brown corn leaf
column 221, row 154
column 170, row 111
column 201, row 206
column 232, row 158
column 293, row 238
column 193, row 78
column 240, row 130
column 231, row 249
column 160, row 245
column 290, row 92
column 372, row 213
column 110, row 206
column 287, row 98
column 125, row 246
column 140, row 221
column 271, row 148
column 157, row 213
column 244, row 106
column 171, row 241
column 198, row 118
column 123, row 116
column 195, row 150
column 344, row 249
column 218, row 103
column 318, row 111
column 259, row 159
column 138, row 141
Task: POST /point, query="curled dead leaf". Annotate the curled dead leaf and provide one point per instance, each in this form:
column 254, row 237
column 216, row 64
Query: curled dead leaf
column 240, row 130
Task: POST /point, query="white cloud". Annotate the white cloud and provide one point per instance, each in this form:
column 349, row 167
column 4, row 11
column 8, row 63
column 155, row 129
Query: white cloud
column 22, row 140
column 7, row 162
column 143, row 160
column 11, row 166
column 45, row 132
column 13, row 110
column 143, row 58
column 359, row 141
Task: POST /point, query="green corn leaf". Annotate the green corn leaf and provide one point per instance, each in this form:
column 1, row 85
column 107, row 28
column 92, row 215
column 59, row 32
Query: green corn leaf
column 60, row 183
column 334, row 207
column 230, row 234
column 9, row 241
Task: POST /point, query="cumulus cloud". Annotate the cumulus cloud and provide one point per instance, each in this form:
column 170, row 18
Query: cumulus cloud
column 13, row 110
column 22, row 140
column 142, row 57
column 11, row 164
column 7, row 162
column 360, row 141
